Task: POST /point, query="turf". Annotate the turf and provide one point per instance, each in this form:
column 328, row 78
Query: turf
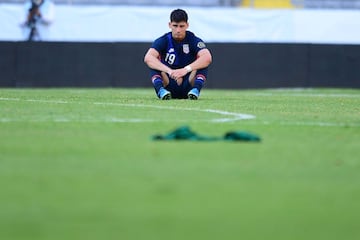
column 80, row 164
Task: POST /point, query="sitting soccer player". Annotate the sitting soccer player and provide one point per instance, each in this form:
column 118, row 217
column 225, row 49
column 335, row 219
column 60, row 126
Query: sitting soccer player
column 178, row 61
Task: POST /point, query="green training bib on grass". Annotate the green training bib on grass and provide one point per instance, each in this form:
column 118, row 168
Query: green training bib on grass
column 185, row 133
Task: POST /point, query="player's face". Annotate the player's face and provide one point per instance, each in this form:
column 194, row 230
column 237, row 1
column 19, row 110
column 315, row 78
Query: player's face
column 178, row 30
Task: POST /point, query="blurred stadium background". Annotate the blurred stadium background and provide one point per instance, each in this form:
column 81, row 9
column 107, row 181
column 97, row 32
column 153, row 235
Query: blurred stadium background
column 336, row 4
column 255, row 43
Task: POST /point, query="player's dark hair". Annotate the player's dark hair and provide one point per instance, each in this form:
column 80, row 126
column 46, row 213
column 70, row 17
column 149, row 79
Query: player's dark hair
column 178, row 15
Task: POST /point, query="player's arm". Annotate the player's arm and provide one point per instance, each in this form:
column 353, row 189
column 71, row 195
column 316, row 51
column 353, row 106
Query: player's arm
column 152, row 60
column 203, row 60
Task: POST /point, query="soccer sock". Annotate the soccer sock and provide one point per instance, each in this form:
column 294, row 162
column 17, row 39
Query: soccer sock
column 157, row 83
column 199, row 82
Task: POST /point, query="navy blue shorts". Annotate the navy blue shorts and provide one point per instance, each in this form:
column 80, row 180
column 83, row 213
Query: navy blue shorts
column 179, row 91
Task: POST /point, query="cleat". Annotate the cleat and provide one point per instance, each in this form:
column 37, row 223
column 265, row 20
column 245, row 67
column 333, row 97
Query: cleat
column 193, row 94
column 164, row 94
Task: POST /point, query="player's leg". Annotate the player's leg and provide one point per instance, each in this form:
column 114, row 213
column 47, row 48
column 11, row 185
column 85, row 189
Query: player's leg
column 197, row 80
column 160, row 81
column 165, row 79
column 173, row 86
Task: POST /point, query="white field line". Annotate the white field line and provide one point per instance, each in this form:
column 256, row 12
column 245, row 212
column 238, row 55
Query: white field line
column 233, row 116
column 35, row 100
column 229, row 116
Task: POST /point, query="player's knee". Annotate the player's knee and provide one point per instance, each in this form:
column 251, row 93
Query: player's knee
column 192, row 76
column 165, row 78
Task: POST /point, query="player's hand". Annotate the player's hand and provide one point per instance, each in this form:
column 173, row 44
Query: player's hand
column 178, row 73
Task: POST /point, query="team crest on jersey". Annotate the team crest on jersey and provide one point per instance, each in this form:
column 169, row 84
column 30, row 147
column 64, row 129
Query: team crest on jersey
column 201, row 45
column 186, row 48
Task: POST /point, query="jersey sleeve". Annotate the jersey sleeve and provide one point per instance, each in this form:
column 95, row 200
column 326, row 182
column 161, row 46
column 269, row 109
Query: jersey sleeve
column 197, row 44
column 160, row 44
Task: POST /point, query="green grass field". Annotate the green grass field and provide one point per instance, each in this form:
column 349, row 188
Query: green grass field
column 80, row 164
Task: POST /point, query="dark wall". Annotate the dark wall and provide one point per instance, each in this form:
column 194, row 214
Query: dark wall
column 235, row 65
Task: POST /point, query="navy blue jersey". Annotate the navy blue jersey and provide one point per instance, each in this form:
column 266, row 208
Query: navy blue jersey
column 178, row 54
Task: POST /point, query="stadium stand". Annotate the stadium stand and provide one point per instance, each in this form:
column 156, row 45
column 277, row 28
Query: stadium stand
column 144, row 2
column 332, row 4
column 267, row 3
column 321, row 4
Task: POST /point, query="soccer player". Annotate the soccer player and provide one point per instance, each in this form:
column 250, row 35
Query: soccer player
column 39, row 15
column 178, row 61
